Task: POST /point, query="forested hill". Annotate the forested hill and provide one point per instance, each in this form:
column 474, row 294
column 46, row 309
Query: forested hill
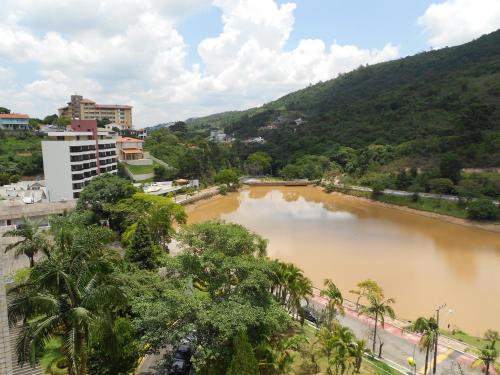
column 428, row 104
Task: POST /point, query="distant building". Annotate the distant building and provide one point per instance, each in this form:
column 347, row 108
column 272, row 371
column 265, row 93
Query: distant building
column 219, row 137
column 25, row 191
column 85, row 109
column 129, row 148
column 14, row 121
column 72, row 158
column 299, row 121
column 255, row 140
column 113, row 126
column 135, row 133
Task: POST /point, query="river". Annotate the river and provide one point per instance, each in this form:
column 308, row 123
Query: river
column 420, row 261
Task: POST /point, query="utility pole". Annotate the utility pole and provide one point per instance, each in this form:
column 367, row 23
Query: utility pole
column 437, row 336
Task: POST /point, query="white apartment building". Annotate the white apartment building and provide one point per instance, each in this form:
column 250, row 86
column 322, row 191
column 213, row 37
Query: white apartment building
column 72, row 159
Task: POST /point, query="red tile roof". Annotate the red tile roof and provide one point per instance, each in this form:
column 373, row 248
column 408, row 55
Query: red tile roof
column 13, row 115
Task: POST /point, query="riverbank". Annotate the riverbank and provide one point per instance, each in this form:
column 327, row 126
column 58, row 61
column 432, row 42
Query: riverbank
column 492, row 227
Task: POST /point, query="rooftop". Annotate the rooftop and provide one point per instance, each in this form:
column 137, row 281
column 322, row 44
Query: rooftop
column 113, row 106
column 129, row 140
column 14, row 115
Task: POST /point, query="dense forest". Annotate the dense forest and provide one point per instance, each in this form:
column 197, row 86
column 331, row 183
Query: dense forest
column 420, row 107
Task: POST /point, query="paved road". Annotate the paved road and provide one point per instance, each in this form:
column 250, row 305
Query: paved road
column 403, row 193
column 398, row 345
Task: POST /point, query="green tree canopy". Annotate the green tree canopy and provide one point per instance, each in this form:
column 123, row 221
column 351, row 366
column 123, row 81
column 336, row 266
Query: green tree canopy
column 258, row 163
column 102, row 192
column 228, row 177
column 451, row 167
column 483, row 209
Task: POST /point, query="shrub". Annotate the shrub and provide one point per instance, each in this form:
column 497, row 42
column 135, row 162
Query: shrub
column 483, row 209
column 329, row 187
column 441, row 185
column 378, row 187
column 223, row 189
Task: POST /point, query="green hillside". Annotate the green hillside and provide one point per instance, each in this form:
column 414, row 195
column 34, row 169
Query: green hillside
column 419, row 107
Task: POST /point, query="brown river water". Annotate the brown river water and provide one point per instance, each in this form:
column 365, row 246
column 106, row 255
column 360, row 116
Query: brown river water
column 420, row 261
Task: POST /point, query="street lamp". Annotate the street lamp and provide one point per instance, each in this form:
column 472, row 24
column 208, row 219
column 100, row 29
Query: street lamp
column 437, row 336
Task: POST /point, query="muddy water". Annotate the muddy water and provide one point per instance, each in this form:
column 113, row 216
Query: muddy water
column 420, row 261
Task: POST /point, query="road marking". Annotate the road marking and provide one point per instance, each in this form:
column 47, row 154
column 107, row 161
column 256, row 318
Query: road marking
column 440, row 358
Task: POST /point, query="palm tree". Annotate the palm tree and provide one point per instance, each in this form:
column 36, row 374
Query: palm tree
column 289, row 286
column 378, row 308
column 335, row 300
column 487, row 356
column 428, row 329
column 357, row 351
column 492, row 337
column 31, row 242
column 365, row 288
column 68, row 296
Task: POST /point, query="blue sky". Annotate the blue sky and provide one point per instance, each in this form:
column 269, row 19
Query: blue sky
column 176, row 59
column 364, row 23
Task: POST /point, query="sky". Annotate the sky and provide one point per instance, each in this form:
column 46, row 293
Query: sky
column 175, row 59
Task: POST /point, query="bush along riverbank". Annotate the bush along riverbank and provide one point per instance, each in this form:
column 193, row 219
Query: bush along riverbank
column 457, row 212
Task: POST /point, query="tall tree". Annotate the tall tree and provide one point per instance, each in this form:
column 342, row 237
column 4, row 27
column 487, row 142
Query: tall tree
column 335, row 300
column 31, row 240
column 141, row 249
column 378, row 308
column 428, row 329
column 365, row 289
column 487, row 356
column 243, row 361
column 450, row 167
column 69, row 295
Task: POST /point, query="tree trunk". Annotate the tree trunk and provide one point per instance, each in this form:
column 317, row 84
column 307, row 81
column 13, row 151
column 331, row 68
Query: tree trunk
column 375, row 333
column 380, row 350
column 487, row 367
column 32, row 262
column 426, row 360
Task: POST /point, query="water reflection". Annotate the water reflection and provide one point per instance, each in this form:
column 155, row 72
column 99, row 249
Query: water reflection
column 420, row 261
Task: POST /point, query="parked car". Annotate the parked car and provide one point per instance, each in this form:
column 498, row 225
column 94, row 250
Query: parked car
column 181, row 360
column 309, row 315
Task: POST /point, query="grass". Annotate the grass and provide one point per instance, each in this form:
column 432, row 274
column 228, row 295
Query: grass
column 474, row 341
column 438, row 206
column 140, row 169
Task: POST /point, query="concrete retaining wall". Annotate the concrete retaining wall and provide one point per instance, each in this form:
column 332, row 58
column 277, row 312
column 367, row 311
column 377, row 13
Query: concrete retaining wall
column 139, row 162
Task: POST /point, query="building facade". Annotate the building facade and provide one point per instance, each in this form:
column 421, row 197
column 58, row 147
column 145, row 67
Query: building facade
column 85, row 109
column 72, row 159
column 14, row 121
column 5, row 349
column 130, row 148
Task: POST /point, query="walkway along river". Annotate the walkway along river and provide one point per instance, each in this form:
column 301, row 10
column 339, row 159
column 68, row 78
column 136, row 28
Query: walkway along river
column 420, row 261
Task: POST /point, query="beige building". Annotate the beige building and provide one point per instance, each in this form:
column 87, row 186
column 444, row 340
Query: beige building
column 85, row 109
column 129, row 148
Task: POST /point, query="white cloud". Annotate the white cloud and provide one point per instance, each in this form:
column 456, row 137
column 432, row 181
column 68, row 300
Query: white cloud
column 454, row 22
column 130, row 51
column 4, row 73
